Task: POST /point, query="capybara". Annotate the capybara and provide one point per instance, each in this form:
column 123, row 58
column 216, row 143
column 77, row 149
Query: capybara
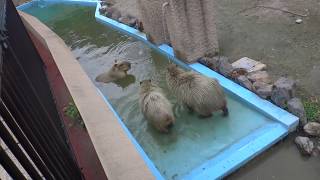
column 200, row 93
column 118, row 71
column 155, row 107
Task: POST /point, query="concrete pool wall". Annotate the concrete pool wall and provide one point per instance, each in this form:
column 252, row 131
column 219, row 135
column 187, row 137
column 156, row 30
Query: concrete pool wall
column 119, row 153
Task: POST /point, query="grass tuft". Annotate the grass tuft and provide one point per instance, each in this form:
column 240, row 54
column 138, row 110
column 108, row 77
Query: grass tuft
column 312, row 110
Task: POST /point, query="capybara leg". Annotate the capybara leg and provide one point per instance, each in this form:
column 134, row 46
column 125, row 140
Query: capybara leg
column 225, row 111
column 203, row 116
column 190, row 109
column 164, row 129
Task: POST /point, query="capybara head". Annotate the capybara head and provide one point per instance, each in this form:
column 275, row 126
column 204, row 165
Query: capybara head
column 145, row 83
column 122, row 66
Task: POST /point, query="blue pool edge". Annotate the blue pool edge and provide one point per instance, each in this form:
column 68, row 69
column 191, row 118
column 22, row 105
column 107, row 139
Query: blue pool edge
column 232, row 157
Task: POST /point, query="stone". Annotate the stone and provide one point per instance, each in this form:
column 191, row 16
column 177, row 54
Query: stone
column 103, row 9
column 109, row 11
column 128, row 20
column 107, row 3
column 312, row 129
column 283, row 91
column 259, row 76
column 249, row 64
column 244, row 81
column 116, row 15
column 212, row 63
column 304, row 144
column 139, row 25
column 238, row 72
column 219, row 64
column 264, row 91
column 260, row 84
column 224, row 67
column 112, row 13
column 299, row 21
column 295, row 106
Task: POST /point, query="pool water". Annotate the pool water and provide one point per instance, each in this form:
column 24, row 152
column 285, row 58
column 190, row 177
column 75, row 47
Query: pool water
column 192, row 141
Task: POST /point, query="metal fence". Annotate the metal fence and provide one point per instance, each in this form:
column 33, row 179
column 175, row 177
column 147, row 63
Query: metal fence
column 28, row 110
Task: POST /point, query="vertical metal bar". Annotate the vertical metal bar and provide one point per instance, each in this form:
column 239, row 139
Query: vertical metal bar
column 46, row 155
column 5, row 113
column 17, row 152
column 9, row 165
column 36, row 121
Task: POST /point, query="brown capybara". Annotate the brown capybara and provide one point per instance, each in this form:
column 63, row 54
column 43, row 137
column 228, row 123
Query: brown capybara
column 155, row 107
column 200, row 93
column 118, row 71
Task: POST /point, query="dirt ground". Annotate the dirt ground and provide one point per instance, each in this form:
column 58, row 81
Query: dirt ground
column 289, row 49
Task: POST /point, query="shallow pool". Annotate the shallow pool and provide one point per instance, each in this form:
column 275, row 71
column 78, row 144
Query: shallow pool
column 192, row 141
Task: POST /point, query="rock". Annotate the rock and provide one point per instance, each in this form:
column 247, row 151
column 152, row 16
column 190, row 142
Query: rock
column 249, row 64
column 116, row 15
column 244, row 81
column 107, row 3
column 112, row 13
column 304, row 144
column 316, row 151
column 224, row 67
column 139, row 25
column 212, row 63
column 312, row 128
column 238, row 72
column 298, row 21
column 109, row 11
column 259, row 76
column 264, row 91
column 295, row 106
column 128, row 20
column 103, row 9
column 259, row 84
column 283, row 91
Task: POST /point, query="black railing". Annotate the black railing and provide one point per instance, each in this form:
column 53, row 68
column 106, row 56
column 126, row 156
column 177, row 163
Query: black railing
column 28, row 109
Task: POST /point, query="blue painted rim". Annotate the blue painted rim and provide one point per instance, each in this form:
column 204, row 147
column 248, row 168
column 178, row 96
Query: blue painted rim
column 230, row 158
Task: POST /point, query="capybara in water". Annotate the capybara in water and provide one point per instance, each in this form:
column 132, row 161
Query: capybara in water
column 200, row 93
column 155, row 107
column 118, row 71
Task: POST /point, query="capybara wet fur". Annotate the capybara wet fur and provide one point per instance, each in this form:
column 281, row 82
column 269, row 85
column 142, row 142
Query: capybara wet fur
column 199, row 93
column 155, row 107
column 118, row 71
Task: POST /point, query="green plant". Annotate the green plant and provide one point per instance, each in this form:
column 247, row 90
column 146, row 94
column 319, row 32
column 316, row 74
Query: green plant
column 312, row 110
column 72, row 111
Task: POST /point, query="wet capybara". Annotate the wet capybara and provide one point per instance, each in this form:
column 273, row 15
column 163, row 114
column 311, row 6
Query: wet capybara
column 200, row 93
column 118, row 71
column 155, row 107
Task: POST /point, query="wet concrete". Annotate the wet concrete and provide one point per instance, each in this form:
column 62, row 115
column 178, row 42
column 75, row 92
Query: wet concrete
column 289, row 49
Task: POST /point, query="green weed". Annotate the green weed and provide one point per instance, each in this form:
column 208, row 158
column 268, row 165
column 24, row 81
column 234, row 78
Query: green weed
column 312, row 110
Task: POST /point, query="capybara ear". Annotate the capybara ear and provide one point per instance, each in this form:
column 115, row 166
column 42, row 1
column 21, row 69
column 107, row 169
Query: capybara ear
column 115, row 61
column 140, row 82
column 149, row 80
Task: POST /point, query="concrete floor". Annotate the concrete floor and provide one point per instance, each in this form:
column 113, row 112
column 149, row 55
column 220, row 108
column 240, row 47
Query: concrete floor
column 289, row 49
